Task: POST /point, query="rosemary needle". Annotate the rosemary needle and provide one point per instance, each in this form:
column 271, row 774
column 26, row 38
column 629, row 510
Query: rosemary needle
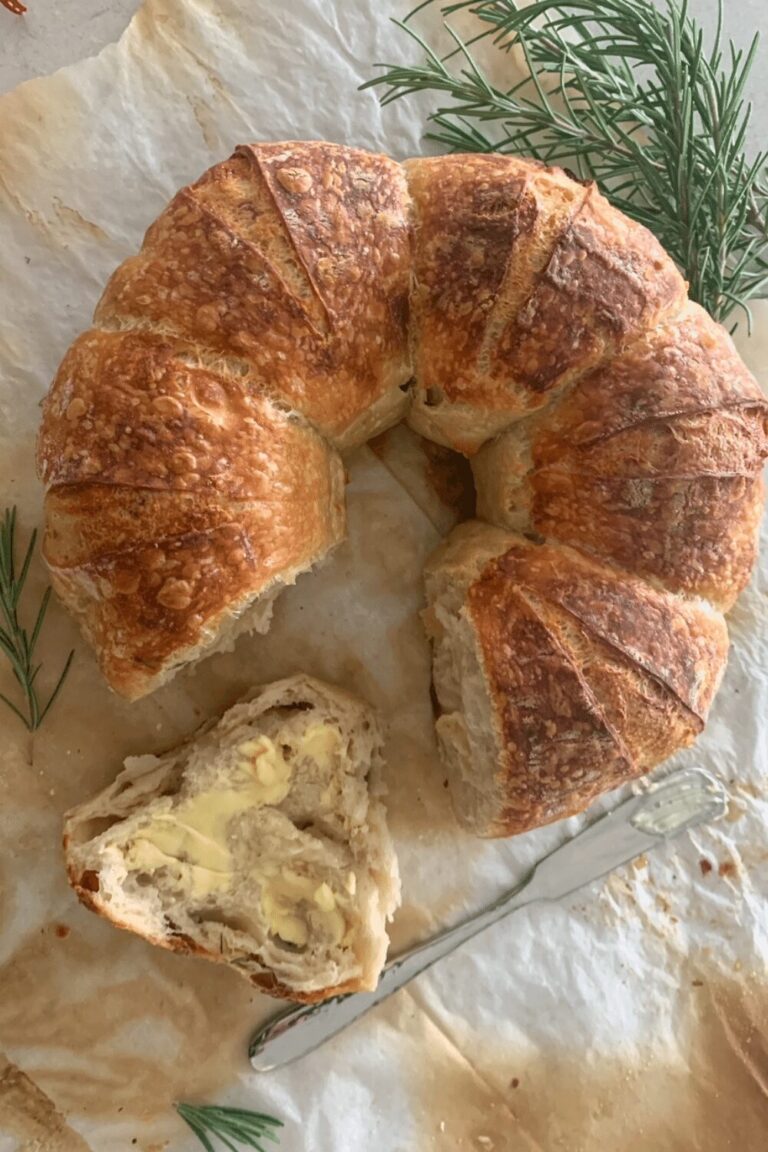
column 234, row 1128
column 628, row 94
column 16, row 643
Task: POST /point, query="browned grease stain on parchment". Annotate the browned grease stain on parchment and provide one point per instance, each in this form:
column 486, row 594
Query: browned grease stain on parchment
column 450, row 1102
column 419, row 802
column 716, row 1100
column 173, row 1028
column 414, row 923
column 206, row 122
column 5, row 897
column 74, row 219
column 411, row 924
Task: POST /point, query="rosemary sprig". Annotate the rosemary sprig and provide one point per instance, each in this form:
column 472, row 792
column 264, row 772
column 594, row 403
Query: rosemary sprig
column 234, row 1127
column 627, row 94
column 16, row 643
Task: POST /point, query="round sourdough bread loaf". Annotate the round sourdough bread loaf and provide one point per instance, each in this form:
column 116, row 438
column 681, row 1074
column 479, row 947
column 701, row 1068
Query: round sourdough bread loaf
column 302, row 297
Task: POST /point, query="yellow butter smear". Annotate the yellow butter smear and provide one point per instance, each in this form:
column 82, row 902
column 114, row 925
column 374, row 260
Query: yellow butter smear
column 193, row 837
column 319, row 742
column 279, row 901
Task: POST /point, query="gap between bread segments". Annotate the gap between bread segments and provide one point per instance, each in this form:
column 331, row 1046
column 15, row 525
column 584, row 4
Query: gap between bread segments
column 383, row 464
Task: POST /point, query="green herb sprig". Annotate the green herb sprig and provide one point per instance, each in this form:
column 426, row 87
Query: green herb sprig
column 16, row 643
column 629, row 95
column 234, row 1128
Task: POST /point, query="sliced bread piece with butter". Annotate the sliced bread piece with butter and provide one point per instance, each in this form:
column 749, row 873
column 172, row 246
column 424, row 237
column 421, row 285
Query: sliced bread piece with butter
column 260, row 844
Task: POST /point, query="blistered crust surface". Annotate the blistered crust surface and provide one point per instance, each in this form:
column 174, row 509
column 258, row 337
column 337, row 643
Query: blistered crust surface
column 129, row 408
column 301, row 264
column 606, row 281
column 682, row 644
column 262, row 325
column 523, row 281
column 155, row 561
column 654, row 461
column 593, row 676
column 558, row 752
column 274, row 316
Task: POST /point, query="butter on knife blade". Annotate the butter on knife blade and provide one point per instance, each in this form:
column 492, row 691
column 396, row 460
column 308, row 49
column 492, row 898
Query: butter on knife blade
column 681, row 801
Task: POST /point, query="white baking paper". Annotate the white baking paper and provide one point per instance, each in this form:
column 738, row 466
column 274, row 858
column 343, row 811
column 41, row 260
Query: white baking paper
column 632, row 1018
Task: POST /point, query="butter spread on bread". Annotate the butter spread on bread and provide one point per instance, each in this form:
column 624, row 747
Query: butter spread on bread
column 261, row 843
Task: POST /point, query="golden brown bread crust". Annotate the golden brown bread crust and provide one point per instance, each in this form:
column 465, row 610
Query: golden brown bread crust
column 127, row 408
column 524, row 280
column 271, row 298
column 275, row 285
column 157, row 544
column 652, row 462
column 708, row 549
column 301, row 265
column 83, row 886
column 558, row 750
column 606, row 280
column 681, row 643
column 593, row 676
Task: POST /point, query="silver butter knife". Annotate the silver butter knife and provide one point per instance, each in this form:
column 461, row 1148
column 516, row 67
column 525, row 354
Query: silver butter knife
column 681, row 801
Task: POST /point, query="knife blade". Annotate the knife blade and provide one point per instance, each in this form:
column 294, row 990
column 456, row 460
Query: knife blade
column 681, row 801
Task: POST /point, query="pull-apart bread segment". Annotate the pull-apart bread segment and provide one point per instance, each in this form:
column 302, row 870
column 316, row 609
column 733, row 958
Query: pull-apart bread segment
column 189, row 441
column 180, row 502
column 558, row 677
column 652, row 462
column 523, row 280
column 288, row 265
column 261, row 844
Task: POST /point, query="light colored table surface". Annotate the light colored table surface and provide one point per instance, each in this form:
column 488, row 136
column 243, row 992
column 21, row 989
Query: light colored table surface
column 57, row 32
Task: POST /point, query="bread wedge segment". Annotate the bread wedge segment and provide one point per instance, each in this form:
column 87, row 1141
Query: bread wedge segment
column 261, row 844
column 194, row 502
column 524, row 280
column 558, row 677
column 652, row 462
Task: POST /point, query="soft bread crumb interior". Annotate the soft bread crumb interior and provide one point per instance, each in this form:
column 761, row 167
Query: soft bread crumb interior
column 465, row 730
column 262, row 842
column 466, row 727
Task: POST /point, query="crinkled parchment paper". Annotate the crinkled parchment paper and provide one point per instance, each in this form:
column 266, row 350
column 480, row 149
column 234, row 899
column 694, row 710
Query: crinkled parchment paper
column 633, row 1018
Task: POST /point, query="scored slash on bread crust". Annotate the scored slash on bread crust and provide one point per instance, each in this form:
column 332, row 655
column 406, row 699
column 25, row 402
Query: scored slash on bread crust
column 157, row 558
column 275, row 315
column 326, row 825
column 652, row 462
column 180, row 499
column 585, row 676
column 301, row 272
column 280, row 271
column 525, row 280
